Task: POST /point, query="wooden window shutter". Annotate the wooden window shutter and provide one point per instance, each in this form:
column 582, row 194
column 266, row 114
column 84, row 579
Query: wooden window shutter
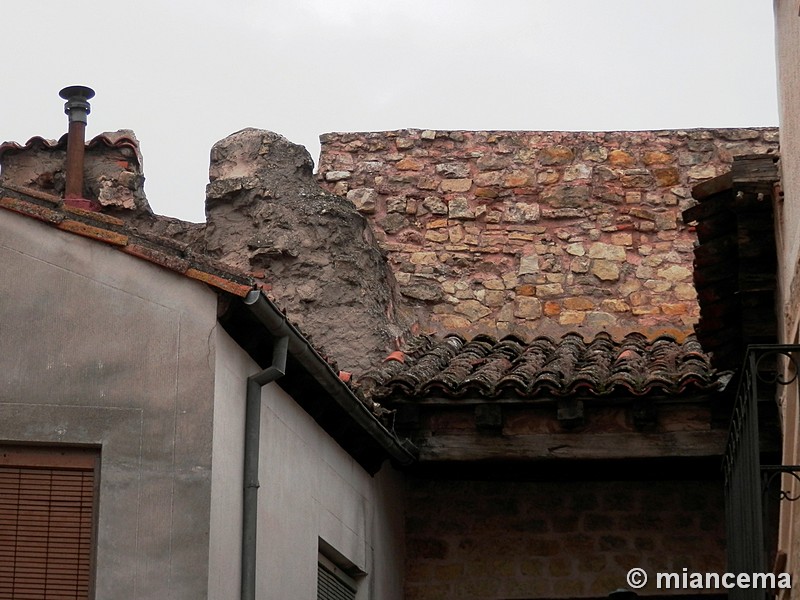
column 47, row 504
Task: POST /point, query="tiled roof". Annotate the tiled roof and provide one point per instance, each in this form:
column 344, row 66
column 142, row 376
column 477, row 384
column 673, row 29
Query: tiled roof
column 166, row 253
column 120, row 139
column 452, row 368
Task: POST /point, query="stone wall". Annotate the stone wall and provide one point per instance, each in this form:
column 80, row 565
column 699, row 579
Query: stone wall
column 536, row 232
column 479, row 539
column 310, row 250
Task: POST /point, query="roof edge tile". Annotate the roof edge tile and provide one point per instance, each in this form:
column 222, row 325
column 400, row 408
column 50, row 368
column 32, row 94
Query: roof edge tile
column 114, row 232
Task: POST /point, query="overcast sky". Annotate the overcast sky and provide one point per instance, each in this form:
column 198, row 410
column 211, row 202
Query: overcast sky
column 185, row 73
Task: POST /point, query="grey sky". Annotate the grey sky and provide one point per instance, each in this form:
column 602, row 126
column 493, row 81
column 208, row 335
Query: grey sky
column 183, row 74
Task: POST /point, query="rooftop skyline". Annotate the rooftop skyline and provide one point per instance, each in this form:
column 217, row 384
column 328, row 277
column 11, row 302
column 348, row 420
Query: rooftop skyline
column 184, row 75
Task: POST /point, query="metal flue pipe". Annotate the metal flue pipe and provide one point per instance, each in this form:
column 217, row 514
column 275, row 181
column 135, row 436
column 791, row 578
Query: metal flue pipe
column 77, row 108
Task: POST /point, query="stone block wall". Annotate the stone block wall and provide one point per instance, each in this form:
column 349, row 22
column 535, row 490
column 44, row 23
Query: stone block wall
column 480, row 539
column 536, row 232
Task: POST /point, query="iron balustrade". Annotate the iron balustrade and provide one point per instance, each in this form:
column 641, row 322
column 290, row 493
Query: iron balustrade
column 747, row 481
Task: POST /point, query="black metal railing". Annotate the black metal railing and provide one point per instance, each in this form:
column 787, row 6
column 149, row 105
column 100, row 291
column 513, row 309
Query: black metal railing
column 747, row 481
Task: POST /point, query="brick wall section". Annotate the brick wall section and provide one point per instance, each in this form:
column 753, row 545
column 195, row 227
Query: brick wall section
column 536, row 232
column 469, row 539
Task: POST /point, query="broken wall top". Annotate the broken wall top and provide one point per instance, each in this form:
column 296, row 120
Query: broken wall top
column 112, row 168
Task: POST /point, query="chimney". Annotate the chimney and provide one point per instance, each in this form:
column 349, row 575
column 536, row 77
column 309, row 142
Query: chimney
column 77, row 108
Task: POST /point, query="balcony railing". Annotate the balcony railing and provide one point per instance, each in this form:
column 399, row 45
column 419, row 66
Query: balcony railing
column 747, row 481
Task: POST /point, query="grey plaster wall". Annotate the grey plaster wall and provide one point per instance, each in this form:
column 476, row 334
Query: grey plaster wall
column 311, row 490
column 787, row 34
column 787, row 43
column 230, row 388
column 100, row 348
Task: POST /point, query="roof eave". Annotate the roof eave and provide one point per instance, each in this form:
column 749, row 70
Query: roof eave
column 346, row 418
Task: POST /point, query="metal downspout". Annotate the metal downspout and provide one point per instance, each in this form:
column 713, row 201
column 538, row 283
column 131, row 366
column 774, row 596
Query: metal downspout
column 252, row 434
column 278, row 325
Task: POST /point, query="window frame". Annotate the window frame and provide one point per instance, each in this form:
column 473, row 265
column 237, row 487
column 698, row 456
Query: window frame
column 342, row 575
column 60, row 459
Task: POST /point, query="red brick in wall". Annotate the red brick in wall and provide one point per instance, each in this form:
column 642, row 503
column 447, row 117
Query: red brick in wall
column 491, row 540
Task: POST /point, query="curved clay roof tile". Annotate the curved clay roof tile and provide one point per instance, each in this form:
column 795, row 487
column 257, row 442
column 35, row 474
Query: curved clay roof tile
column 570, row 366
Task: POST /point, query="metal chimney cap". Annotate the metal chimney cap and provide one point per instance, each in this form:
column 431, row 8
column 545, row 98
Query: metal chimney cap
column 80, row 91
column 77, row 102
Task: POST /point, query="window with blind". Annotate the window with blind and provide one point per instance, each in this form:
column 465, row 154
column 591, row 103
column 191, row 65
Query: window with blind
column 333, row 583
column 47, row 506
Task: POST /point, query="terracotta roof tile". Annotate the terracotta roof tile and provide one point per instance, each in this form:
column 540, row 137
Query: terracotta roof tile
column 484, row 368
column 158, row 257
column 114, row 232
column 37, row 211
column 38, row 194
column 221, row 282
column 96, row 233
column 107, row 139
column 92, row 214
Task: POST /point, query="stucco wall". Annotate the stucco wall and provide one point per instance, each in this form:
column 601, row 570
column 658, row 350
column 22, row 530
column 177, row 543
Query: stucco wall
column 225, row 526
column 787, row 38
column 99, row 348
column 311, row 490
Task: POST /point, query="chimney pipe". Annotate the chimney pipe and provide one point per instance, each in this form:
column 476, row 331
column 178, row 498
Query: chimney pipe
column 77, row 108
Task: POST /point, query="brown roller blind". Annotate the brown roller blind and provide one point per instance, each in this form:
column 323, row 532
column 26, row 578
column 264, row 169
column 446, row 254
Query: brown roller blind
column 46, row 523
